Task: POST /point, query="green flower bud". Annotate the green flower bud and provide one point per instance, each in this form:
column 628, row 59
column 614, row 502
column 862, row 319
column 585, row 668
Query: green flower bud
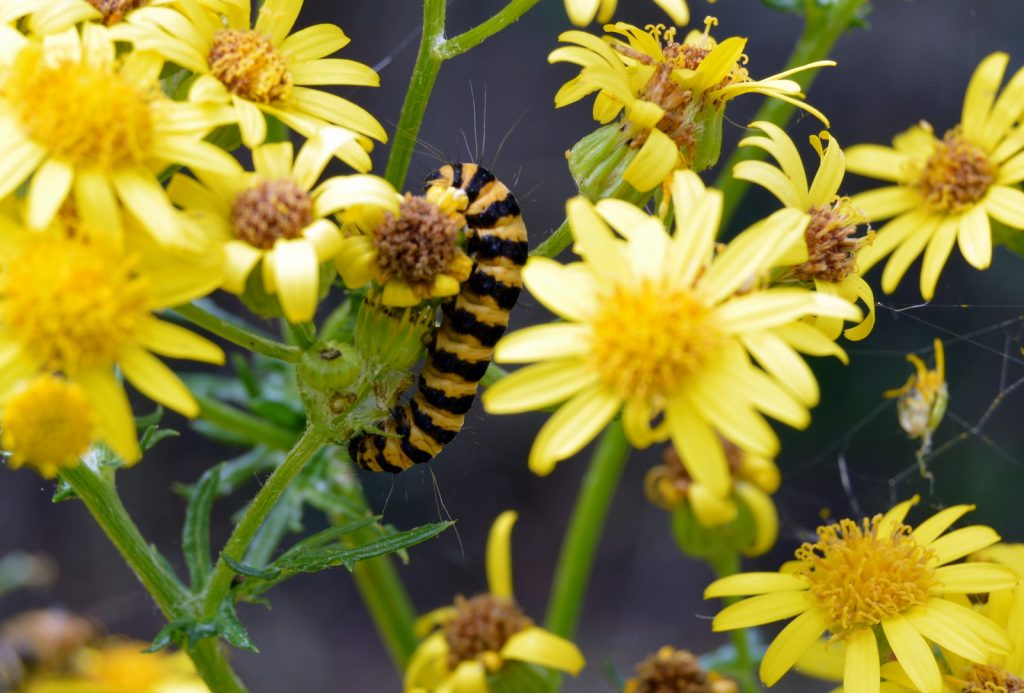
column 329, row 366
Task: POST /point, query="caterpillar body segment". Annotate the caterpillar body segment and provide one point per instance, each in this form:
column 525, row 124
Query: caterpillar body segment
column 471, row 324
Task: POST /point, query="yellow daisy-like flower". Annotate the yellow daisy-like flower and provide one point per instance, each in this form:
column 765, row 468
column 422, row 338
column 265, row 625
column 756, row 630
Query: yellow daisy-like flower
column 477, row 636
column 261, row 69
column 121, row 666
column 670, row 669
column 44, row 17
column 754, row 479
column 72, row 304
column 658, row 327
column 876, row 574
column 275, row 216
column 80, row 122
column 947, row 189
column 831, row 249
column 412, row 252
column 671, row 95
column 583, row 12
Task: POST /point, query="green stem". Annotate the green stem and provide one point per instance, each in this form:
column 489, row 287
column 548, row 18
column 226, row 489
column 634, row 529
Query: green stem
column 244, row 425
column 219, row 586
column 581, row 540
column 823, row 27
column 389, row 605
column 424, row 74
column 457, row 45
column 100, row 498
column 434, row 50
column 558, row 241
column 238, row 335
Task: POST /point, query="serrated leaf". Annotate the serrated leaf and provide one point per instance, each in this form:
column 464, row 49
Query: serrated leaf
column 232, row 630
column 327, row 536
column 268, row 573
column 147, row 420
column 195, row 535
column 155, row 434
column 322, row 558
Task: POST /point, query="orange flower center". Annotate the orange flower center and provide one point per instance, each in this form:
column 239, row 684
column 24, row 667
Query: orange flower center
column 648, row 338
column 860, row 577
column 417, row 245
column 48, row 425
column 113, row 11
column 831, row 252
column 249, row 65
column 956, row 176
column 482, row 624
column 271, row 210
column 986, row 679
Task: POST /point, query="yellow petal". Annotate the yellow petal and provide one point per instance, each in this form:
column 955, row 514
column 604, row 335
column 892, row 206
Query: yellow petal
column 296, row 277
column 698, row 445
column 929, row 530
column 109, row 401
column 573, row 426
column 913, row 653
column 791, row 642
column 974, row 237
column 251, row 122
column 743, row 584
column 861, row 672
column 313, row 42
column 499, row 555
column 538, row 646
column 936, row 254
column 655, row 161
column 946, row 634
column 961, row 542
column 960, row 617
column 544, row 343
column 469, row 677
column 895, row 516
column 981, row 92
column 155, row 380
column 777, row 357
column 766, row 518
column 973, row 578
column 426, row 623
column 538, row 386
column 906, row 253
column 581, row 12
column 709, row 509
column 1006, row 205
column 428, row 666
column 567, row 293
column 177, row 342
column 47, row 192
column 879, row 162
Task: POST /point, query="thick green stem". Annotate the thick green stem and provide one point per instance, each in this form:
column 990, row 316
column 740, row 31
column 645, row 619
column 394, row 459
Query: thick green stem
column 558, row 241
column 417, row 96
column 823, row 27
column 434, row 50
column 581, row 540
column 244, row 425
column 389, row 605
column 725, row 564
column 101, row 499
column 237, row 334
column 219, row 586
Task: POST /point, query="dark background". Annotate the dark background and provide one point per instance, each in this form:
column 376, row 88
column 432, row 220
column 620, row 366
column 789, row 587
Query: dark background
column 913, row 62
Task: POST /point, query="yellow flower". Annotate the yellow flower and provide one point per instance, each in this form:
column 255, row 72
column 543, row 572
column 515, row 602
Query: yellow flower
column 74, row 305
column 88, row 125
column 275, row 216
column 259, row 69
column 947, row 189
column 44, row 17
column 923, row 398
column 583, row 12
column 877, row 573
column 121, row 666
column 670, row 669
column 658, row 327
column 671, row 95
column 411, row 251
column 830, row 248
column 478, row 635
column 754, row 479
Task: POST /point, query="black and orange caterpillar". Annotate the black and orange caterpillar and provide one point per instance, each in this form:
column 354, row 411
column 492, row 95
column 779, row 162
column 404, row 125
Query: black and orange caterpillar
column 471, row 325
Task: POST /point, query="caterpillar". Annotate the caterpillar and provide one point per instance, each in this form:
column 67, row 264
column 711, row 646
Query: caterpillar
column 471, row 324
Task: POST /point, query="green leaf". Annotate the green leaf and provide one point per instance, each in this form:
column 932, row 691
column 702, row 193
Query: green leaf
column 518, row 677
column 195, row 536
column 232, row 630
column 327, row 536
column 187, row 633
column 63, row 492
column 267, row 574
column 318, row 559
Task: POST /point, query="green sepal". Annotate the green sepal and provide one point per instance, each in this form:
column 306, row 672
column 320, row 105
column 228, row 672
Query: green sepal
column 714, row 545
column 250, row 571
column 63, row 492
column 519, row 677
column 599, row 160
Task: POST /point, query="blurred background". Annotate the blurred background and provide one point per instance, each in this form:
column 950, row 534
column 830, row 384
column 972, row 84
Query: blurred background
column 912, row 62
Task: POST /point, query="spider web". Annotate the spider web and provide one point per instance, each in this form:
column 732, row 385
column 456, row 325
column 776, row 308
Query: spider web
column 976, row 451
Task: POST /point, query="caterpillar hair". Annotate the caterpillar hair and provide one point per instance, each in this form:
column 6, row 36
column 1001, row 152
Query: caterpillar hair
column 472, row 322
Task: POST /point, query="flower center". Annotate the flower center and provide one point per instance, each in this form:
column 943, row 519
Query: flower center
column 675, row 671
column 986, row 679
column 860, row 578
column 88, row 116
column 272, row 210
column 417, row 245
column 71, row 303
column 482, row 624
column 831, row 252
column 668, row 484
column 249, row 65
column 647, row 339
column 113, row 11
column 48, row 425
column 956, row 176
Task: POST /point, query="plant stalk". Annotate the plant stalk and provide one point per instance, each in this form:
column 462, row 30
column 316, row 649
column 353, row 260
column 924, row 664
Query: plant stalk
column 238, row 335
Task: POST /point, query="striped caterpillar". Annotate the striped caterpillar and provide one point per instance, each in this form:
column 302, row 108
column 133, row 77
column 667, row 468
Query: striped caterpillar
column 472, row 323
